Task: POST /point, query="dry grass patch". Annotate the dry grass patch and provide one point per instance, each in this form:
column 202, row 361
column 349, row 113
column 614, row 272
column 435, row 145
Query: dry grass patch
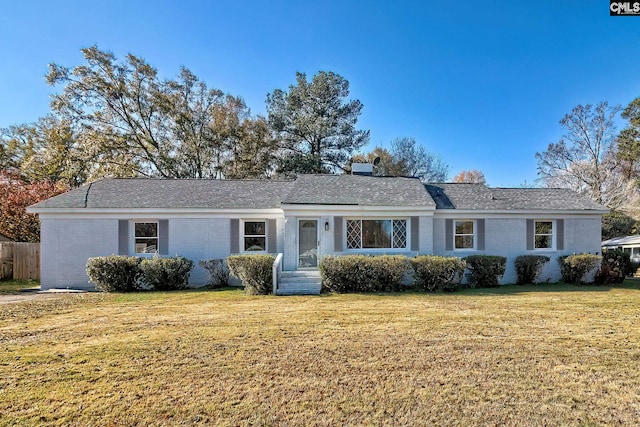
column 512, row 356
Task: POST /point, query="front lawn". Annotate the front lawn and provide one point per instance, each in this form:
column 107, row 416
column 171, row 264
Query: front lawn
column 546, row 355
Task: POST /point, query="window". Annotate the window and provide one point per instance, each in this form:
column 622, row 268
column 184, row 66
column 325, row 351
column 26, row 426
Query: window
column 376, row 234
column 543, row 235
column 464, row 237
column 146, row 237
column 255, row 236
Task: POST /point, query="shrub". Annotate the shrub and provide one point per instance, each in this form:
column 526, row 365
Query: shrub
column 255, row 272
column 114, row 273
column 218, row 272
column 614, row 268
column 528, row 267
column 574, row 267
column 166, row 274
column 363, row 273
column 485, row 270
column 434, row 273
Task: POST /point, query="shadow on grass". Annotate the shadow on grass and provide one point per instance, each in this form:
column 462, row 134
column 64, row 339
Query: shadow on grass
column 509, row 289
column 548, row 287
column 9, row 287
column 233, row 291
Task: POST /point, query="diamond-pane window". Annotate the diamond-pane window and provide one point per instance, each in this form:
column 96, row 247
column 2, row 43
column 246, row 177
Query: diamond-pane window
column 354, row 234
column 399, row 233
column 376, row 233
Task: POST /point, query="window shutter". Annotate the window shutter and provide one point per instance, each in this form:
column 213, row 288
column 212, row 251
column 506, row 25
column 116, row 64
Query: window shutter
column 123, row 237
column 415, row 233
column 529, row 234
column 448, row 234
column 163, row 237
column 560, row 234
column 271, row 236
column 235, row 236
column 337, row 234
column 480, row 234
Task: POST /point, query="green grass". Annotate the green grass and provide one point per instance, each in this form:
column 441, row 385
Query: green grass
column 15, row 286
column 516, row 355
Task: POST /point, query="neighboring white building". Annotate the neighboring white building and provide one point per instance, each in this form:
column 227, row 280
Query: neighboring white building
column 628, row 244
column 306, row 219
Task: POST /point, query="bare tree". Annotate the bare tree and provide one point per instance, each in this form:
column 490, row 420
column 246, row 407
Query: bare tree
column 416, row 161
column 584, row 159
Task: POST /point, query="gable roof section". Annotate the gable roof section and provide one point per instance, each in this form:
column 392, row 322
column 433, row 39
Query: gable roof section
column 172, row 193
column 480, row 197
column 358, row 190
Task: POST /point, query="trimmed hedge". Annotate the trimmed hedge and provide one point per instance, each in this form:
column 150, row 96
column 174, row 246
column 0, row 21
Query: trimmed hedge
column 166, row 274
column 363, row 273
column 255, row 272
column 574, row 267
column 115, row 273
column 528, row 267
column 437, row 273
column 485, row 271
column 218, row 272
column 615, row 267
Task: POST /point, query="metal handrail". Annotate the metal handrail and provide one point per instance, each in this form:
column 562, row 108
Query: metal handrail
column 277, row 270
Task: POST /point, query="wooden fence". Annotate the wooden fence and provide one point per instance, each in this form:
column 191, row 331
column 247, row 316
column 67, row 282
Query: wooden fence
column 19, row 261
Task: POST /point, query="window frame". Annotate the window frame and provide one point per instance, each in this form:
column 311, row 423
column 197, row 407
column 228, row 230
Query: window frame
column 242, row 236
column 552, row 234
column 134, row 237
column 474, row 235
column 407, row 241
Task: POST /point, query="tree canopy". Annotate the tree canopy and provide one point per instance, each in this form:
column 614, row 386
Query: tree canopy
column 133, row 123
column 15, row 195
column 628, row 141
column 315, row 124
column 473, row 176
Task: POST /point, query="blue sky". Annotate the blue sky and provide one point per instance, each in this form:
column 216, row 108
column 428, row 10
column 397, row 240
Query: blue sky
column 482, row 83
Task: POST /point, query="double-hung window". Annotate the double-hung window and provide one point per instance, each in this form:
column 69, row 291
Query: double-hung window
column 376, row 233
column 145, row 237
column 254, row 238
column 543, row 235
column 464, row 235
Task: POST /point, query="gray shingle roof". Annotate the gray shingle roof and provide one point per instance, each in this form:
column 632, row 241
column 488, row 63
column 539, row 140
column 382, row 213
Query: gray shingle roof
column 173, row 193
column 358, row 190
column 311, row 189
column 481, row 197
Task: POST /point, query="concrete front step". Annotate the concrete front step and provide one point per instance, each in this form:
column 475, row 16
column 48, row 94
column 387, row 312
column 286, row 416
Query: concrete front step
column 308, row 281
column 301, row 273
column 301, row 282
column 299, row 291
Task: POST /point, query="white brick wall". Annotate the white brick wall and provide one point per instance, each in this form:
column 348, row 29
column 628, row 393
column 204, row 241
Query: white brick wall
column 199, row 239
column 507, row 237
column 67, row 244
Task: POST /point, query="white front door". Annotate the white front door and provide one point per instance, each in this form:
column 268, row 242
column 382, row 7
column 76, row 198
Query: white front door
column 307, row 243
